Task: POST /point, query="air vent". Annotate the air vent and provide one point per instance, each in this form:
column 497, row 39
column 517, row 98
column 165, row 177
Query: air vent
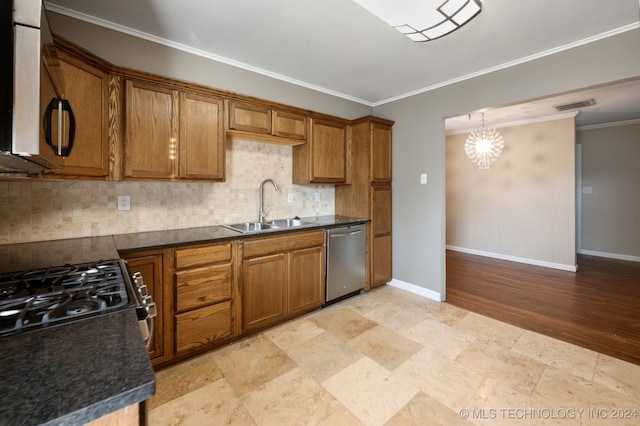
column 576, row 105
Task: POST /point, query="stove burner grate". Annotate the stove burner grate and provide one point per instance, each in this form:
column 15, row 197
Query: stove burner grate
column 43, row 297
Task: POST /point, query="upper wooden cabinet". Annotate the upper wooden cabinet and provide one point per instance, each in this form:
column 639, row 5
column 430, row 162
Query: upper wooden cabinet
column 132, row 125
column 323, row 158
column 87, row 90
column 264, row 122
column 171, row 134
column 151, row 131
column 201, row 137
column 380, row 152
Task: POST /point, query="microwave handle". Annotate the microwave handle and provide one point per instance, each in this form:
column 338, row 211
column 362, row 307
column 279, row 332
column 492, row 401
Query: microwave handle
column 60, row 105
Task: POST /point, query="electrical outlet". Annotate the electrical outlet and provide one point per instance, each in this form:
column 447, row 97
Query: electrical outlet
column 290, row 197
column 316, row 196
column 124, row 202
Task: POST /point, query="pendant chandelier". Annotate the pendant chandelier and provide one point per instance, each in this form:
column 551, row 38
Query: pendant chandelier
column 483, row 146
column 424, row 20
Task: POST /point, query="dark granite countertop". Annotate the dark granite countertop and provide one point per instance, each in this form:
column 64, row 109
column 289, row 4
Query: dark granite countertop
column 176, row 237
column 74, row 373
column 42, row 254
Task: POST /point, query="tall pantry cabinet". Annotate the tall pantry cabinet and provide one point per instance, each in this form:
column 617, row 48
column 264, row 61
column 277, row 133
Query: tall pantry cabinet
column 369, row 192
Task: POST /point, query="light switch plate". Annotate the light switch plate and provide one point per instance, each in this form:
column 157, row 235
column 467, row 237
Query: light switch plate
column 423, row 178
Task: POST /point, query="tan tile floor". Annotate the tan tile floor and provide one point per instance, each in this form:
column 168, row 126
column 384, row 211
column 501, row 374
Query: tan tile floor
column 389, row 357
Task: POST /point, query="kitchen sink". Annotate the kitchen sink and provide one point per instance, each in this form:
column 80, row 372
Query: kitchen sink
column 249, row 226
column 265, row 226
column 286, row 223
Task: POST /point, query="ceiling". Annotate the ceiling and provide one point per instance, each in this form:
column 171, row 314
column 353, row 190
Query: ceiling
column 337, row 47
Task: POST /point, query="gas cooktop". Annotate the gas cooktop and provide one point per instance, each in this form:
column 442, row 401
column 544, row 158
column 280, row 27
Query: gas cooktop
column 44, row 297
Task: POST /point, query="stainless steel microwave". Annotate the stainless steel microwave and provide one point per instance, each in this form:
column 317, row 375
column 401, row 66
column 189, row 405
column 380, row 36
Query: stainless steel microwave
column 37, row 125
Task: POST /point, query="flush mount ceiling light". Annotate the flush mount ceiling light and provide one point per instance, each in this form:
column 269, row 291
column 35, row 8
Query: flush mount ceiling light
column 424, row 20
column 483, row 146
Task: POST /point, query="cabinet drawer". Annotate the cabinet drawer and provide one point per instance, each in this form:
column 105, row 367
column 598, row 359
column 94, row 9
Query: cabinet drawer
column 203, row 326
column 283, row 243
column 202, row 286
column 190, row 257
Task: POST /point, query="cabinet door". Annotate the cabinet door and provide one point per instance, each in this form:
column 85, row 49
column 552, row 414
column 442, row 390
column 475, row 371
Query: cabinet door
column 150, row 267
column 87, row 89
column 380, row 153
column 151, row 136
column 306, row 284
column 329, row 144
column 263, row 290
column 381, row 210
column 289, row 125
column 381, row 235
column 381, row 268
column 248, row 117
column 201, row 137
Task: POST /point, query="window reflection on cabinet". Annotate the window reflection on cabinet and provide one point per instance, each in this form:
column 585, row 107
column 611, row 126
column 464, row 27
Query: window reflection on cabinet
column 172, row 135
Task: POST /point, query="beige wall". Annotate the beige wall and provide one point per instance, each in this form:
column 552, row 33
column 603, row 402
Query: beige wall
column 419, row 215
column 611, row 212
column 524, row 205
column 49, row 210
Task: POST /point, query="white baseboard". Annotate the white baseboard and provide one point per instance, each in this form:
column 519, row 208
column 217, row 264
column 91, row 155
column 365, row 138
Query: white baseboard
column 610, row 255
column 561, row 266
column 421, row 291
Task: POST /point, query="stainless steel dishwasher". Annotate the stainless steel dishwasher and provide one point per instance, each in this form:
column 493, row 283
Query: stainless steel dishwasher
column 346, row 251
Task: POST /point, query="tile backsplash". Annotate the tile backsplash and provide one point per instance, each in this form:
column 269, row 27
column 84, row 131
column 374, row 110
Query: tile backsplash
column 40, row 210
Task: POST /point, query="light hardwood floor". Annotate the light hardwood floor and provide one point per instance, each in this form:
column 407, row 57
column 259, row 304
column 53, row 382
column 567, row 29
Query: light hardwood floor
column 389, row 357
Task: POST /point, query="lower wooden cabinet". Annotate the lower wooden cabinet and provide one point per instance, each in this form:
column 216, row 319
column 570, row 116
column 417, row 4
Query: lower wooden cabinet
column 282, row 277
column 149, row 264
column 263, row 290
column 210, row 294
column 306, row 283
column 380, row 247
column 203, row 294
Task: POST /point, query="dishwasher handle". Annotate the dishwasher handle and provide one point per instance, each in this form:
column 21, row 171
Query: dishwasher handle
column 345, row 234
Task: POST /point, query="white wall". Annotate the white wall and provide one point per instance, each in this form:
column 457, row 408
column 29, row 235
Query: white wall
column 611, row 212
column 419, row 140
column 521, row 208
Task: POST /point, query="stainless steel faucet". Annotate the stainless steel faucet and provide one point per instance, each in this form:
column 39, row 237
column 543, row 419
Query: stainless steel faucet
column 262, row 213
